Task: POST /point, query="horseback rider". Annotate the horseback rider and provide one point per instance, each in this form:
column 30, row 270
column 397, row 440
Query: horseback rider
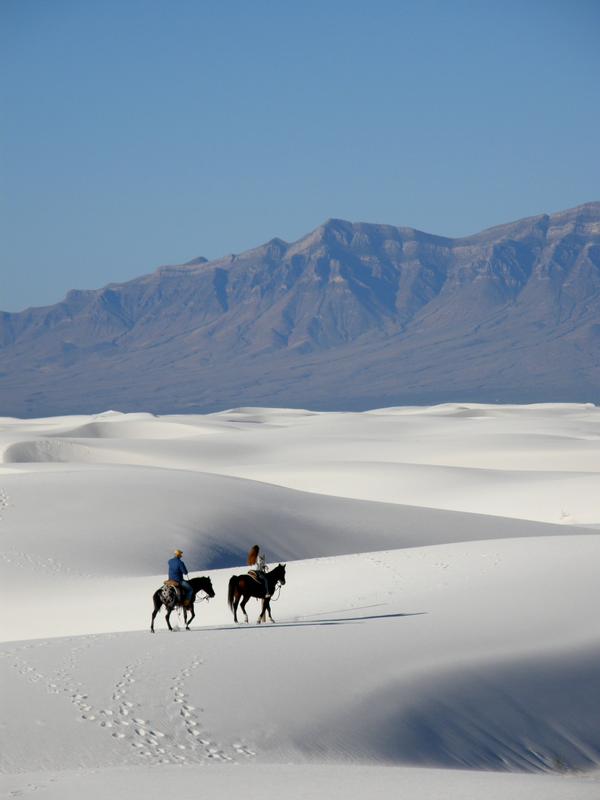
column 177, row 571
column 256, row 560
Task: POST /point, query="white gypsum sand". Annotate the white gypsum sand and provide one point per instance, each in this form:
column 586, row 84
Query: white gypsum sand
column 437, row 636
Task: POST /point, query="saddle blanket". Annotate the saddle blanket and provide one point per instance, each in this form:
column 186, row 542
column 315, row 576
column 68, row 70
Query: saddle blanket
column 169, row 593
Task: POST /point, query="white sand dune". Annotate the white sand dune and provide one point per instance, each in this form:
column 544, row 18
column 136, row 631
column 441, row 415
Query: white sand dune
column 548, row 496
column 295, row 782
column 445, row 660
column 438, row 630
column 122, row 520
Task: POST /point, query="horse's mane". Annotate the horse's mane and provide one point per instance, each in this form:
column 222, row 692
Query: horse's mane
column 198, row 580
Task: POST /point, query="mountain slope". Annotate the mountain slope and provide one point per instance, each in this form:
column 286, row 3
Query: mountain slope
column 352, row 315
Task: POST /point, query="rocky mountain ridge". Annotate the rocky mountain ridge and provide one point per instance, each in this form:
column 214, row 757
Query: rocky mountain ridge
column 353, row 315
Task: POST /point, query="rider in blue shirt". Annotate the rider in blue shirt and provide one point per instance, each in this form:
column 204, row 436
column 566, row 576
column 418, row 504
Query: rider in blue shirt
column 177, row 570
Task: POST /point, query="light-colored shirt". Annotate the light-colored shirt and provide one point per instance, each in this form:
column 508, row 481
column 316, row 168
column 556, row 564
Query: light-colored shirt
column 261, row 564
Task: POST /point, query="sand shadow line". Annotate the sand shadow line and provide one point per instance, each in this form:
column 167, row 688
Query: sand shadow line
column 309, row 623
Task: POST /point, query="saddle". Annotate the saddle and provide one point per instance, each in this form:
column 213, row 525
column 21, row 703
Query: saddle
column 262, row 581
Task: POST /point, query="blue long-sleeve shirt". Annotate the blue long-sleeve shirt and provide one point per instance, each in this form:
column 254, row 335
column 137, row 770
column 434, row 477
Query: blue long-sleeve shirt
column 177, row 569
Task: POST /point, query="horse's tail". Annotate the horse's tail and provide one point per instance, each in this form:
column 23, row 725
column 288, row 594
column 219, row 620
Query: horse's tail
column 157, row 599
column 233, row 583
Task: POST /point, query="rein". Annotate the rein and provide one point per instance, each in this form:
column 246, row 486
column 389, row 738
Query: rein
column 278, row 590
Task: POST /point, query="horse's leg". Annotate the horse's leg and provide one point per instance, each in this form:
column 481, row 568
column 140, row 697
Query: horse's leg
column 261, row 617
column 167, row 617
column 157, row 605
column 268, row 609
column 192, row 615
column 243, row 605
column 234, row 605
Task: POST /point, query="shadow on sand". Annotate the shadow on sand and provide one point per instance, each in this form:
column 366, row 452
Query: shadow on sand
column 307, row 623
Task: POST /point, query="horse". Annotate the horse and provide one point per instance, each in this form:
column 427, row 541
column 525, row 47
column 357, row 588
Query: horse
column 245, row 586
column 197, row 584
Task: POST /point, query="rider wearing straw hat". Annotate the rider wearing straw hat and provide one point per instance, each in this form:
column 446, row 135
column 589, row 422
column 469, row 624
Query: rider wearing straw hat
column 177, row 571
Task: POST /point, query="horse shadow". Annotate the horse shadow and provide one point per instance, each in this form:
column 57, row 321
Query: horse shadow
column 356, row 620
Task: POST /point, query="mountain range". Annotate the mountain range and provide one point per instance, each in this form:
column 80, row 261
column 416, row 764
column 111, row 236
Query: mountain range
column 351, row 316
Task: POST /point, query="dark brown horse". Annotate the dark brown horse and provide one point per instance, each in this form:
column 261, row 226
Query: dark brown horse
column 171, row 599
column 245, row 587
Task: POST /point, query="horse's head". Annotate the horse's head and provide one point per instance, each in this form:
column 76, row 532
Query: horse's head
column 280, row 572
column 208, row 587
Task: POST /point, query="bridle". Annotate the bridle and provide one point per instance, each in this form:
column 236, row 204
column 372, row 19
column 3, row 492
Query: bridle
column 278, row 586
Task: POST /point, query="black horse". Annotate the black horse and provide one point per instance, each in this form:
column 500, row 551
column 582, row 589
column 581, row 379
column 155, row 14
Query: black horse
column 172, row 600
column 245, row 586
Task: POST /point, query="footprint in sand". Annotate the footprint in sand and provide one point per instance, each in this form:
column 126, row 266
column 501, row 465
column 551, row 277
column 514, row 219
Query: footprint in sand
column 200, row 746
column 61, row 683
column 242, row 750
column 187, row 742
column 4, row 501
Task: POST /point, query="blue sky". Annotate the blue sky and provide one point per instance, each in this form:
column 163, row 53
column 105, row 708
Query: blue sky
column 140, row 133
